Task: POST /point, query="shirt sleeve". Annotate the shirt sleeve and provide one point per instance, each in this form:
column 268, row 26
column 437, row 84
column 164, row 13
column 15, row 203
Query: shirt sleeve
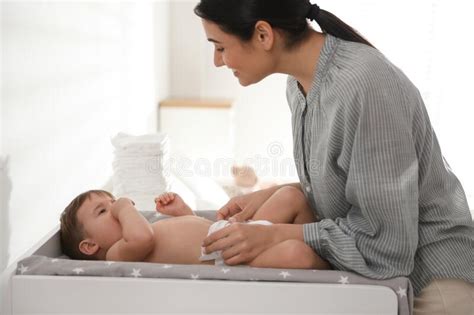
column 379, row 235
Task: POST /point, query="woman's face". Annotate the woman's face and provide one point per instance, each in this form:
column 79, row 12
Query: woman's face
column 249, row 61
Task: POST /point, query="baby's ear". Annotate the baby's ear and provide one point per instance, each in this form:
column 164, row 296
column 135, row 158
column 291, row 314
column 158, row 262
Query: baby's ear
column 88, row 247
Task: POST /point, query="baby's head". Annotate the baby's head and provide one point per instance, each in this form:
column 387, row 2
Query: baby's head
column 88, row 228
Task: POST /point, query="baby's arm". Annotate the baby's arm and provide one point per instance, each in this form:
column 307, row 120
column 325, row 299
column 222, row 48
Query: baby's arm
column 170, row 203
column 137, row 235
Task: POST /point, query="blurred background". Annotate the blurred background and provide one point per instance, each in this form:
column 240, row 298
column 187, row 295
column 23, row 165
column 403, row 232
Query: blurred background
column 76, row 73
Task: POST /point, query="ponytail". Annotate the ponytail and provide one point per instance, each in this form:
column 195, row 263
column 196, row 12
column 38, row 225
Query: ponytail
column 238, row 17
column 331, row 24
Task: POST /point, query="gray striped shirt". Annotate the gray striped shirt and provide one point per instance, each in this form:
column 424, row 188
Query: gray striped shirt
column 371, row 167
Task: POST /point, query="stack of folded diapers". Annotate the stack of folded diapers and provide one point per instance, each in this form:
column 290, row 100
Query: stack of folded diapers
column 141, row 167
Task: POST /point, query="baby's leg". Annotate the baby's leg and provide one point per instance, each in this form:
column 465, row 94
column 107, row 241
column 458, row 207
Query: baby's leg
column 287, row 205
column 292, row 254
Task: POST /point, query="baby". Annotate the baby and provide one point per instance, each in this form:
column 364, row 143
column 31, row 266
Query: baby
column 96, row 226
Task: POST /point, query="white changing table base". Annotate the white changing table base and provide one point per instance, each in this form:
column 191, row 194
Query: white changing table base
column 98, row 295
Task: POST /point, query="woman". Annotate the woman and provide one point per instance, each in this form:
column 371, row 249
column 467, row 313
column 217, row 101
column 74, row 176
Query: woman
column 367, row 157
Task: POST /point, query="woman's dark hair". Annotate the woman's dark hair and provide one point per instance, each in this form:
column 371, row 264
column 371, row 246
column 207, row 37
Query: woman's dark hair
column 238, row 17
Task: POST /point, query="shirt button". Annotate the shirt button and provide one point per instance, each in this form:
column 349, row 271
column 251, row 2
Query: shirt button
column 308, row 188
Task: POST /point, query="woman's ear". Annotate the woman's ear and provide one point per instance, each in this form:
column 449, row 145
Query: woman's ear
column 264, row 35
column 88, row 247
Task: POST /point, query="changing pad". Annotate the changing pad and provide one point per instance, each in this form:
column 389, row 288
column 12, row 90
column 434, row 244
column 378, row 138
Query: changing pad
column 63, row 266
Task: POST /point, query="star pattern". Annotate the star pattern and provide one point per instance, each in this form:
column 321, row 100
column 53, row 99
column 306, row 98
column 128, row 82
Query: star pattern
column 78, row 270
column 136, row 273
column 343, row 280
column 343, row 277
column 23, row 268
column 402, row 292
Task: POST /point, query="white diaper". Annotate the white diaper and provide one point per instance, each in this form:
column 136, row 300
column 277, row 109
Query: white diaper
column 216, row 226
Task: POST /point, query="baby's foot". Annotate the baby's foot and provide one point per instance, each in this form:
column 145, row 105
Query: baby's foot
column 170, row 203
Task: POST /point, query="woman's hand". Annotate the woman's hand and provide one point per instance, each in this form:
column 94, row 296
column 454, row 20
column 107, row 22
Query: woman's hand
column 242, row 208
column 241, row 243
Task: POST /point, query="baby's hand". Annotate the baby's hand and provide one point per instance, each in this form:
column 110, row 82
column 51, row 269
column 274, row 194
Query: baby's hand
column 121, row 204
column 170, row 203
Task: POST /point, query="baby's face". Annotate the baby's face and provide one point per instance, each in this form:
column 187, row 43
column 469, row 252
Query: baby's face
column 98, row 222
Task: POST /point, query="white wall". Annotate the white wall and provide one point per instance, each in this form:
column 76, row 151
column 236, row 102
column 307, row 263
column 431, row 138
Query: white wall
column 73, row 75
column 5, row 188
column 186, row 53
column 162, row 42
column 4, row 233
